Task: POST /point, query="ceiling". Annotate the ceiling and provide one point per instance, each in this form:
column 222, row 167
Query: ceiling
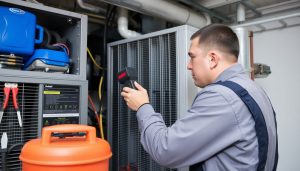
column 254, row 8
column 222, row 11
column 261, row 15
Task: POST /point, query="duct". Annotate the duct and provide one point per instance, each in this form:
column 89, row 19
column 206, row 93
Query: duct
column 199, row 7
column 167, row 10
column 90, row 7
column 208, row 18
column 241, row 13
column 244, row 42
column 269, row 18
column 123, row 24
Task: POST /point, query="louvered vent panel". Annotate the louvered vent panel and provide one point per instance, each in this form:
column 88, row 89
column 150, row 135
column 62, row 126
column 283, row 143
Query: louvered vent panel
column 155, row 61
column 28, row 102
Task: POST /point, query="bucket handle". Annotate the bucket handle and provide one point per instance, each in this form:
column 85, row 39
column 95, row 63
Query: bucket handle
column 67, row 128
column 41, row 34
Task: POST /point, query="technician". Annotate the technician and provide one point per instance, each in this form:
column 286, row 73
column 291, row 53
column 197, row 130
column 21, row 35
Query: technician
column 220, row 132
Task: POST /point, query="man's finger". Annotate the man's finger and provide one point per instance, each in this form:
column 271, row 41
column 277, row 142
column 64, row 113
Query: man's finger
column 124, row 94
column 138, row 86
column 127, row 89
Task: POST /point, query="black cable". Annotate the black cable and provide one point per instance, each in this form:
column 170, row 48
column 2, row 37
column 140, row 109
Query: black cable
column 105, row 36
column 3, row 159
column 20, row 145
column 109, row 12
column 108, row 16
column 112, row 16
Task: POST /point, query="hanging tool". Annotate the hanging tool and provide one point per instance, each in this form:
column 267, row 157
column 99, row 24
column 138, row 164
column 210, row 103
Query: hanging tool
column 127, row 76
column 4, row 140
column 15, row 90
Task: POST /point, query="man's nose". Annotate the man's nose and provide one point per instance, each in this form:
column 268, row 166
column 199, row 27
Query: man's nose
column 189, row 65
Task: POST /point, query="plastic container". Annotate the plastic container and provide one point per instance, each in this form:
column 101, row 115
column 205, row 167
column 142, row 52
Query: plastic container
column 58, row 60
column 87, row 153
column 17, row 32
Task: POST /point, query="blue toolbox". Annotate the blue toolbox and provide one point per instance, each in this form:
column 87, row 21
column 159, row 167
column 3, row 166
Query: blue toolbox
column 17, row 32
column 49, row 61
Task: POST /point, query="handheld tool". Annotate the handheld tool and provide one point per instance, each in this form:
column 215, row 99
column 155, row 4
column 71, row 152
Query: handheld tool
column 127, row 76
column 4, row 140
column 15, row 90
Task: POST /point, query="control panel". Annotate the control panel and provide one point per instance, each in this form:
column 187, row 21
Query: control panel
column 60, row 104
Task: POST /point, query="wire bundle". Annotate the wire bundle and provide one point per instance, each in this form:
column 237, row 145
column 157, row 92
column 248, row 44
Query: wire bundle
column 100, row 116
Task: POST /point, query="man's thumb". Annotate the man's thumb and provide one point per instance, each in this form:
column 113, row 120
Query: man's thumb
column 138, row 86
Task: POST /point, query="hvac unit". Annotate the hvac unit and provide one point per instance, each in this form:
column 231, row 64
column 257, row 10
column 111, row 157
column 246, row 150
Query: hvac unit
column 160, row 60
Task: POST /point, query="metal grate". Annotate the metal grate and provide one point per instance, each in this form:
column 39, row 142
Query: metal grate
column 155, row 61
column 28, row 102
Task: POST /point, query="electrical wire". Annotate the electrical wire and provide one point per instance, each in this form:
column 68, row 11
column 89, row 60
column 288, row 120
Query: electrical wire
column 100, row 88
column 99, row 94
column 93, row 59
column 101, row 109
column 98, row 119
column 93, row 107
column 101, row 126
column 64, row 46
column 108, row 16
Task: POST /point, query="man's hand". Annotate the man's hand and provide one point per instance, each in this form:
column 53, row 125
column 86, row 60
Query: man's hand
column 135, row 98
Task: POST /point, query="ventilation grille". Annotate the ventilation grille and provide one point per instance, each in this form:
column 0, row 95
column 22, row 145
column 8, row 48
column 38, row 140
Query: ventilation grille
column 28, row 103
column 155, row 61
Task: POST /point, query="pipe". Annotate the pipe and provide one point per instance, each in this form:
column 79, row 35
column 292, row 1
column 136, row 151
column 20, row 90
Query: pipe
column 257, row 13
column 90, row 7
column 123, row 24
column 241, row 13
column 208, row 18
column 244, row 56
column 251, row 55
column 167, row 10
column 205, row 10
column 269, row 18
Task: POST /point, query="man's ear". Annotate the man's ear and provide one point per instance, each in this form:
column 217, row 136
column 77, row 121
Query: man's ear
column 214, row 59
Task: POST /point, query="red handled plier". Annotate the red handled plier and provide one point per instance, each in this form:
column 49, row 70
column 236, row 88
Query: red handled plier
column 6, row 90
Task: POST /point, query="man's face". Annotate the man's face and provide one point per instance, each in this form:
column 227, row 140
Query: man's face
column 199, row 64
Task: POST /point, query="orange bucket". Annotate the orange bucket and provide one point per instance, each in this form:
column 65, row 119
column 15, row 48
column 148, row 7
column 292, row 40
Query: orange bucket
column 75, row 153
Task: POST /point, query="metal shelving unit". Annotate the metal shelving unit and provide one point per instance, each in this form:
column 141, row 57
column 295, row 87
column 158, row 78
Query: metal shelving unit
column 47, row 98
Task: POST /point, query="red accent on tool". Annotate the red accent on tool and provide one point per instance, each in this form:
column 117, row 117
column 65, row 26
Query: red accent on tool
column 15, row 91
column 122, row 75
column 6, row 91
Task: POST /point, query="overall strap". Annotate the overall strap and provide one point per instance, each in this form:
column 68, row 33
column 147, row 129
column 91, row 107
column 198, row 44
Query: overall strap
column 276, row 153
column 260, row 124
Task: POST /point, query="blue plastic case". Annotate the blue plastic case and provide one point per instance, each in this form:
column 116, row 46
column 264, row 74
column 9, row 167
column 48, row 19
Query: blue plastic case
column 17, row 32
column 49, row 57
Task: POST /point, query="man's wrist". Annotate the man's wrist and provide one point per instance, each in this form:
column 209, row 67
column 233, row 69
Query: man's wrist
column 142, row 105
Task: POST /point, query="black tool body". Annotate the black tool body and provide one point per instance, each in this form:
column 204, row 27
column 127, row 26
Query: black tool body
column 127, row 76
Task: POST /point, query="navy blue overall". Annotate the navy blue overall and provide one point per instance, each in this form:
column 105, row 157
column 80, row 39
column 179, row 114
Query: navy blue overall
column 260, row 126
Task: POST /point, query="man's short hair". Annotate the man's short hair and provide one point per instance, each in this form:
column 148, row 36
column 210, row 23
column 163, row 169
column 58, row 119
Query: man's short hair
column 219, row 36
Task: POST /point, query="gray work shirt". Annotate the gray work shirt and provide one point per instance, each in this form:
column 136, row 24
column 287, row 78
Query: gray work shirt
column 217, row 129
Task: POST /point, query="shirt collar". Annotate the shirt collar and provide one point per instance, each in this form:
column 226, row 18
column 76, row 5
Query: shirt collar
column 231, row 72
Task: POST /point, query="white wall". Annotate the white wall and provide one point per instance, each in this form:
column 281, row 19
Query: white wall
column 280, row 49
